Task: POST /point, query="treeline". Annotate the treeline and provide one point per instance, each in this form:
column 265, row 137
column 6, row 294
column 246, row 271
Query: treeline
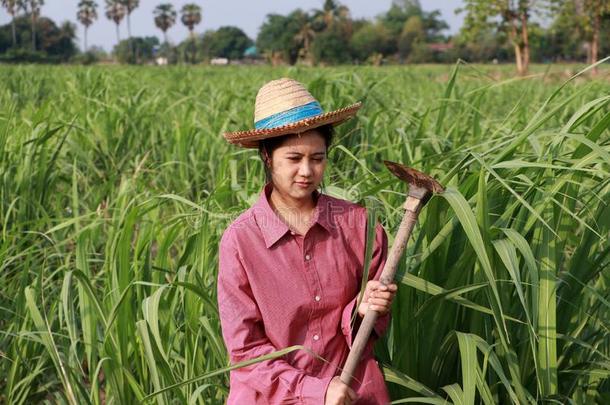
column 32, row 38
column 493, row 31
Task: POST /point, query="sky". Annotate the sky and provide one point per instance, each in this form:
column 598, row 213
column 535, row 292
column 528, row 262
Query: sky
column 248, row 15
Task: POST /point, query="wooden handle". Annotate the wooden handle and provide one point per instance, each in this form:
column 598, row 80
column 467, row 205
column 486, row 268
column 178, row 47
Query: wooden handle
column 412, row 206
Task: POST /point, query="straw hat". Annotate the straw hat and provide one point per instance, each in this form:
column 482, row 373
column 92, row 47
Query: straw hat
column 284, row 106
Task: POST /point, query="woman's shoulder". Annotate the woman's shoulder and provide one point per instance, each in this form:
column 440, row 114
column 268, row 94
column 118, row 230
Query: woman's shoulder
column 351, row 215
column 345, row 204
column 346, row 211
column 243, row 222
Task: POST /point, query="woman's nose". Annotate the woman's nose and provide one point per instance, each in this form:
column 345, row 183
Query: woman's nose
column 305, row 169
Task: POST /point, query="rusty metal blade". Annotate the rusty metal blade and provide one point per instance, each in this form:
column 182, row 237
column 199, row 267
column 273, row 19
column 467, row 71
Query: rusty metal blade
column 414, row 177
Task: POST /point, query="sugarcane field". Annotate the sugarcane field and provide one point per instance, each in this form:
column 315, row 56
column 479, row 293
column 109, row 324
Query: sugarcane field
column 321, row 202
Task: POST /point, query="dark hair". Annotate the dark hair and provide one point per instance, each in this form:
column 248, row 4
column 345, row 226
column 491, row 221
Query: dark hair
column 270, row 144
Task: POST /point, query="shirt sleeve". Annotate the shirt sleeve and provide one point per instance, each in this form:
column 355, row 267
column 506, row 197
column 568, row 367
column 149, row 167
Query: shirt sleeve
column 378, row 259
column 244, row 335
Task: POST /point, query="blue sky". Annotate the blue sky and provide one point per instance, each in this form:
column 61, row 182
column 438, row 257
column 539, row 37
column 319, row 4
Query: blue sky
column 246, row 14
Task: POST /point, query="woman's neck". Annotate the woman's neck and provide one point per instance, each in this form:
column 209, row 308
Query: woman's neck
column 297, row 214
column 285, row 203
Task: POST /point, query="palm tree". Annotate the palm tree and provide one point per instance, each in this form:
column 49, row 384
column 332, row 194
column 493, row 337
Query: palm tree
column 331, row 13
column 87, row 13
column 305, row 37
column 11, row 8
column 33, row 7
column 191, row 16
column 115, row 11
column 129, row 5
column 165, row 17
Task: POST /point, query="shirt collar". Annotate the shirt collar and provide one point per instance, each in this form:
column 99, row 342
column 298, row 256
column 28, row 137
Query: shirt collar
column 273, row 228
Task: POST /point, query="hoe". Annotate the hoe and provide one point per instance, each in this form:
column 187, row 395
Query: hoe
column 421, row 188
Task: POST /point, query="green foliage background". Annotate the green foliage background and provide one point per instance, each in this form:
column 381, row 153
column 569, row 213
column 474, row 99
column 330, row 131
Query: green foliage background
column 116, row 187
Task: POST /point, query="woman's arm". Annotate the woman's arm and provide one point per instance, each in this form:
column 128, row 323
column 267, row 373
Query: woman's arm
column 245, row 338
column 380, row 252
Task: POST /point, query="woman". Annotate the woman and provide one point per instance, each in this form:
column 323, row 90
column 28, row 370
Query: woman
column 291, row 266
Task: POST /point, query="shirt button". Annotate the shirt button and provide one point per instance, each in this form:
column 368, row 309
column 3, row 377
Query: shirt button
column 316, row 337
column 317, row 298
column 307, row 257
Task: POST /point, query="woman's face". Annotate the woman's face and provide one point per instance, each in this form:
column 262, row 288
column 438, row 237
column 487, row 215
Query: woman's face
column 297, row 165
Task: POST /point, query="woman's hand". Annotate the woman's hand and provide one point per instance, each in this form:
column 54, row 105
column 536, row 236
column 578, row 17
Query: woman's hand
column 339, row 393
column 378, row 297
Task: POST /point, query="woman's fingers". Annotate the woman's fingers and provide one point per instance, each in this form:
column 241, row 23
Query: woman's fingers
column 382, row 294
column 375, row 285
column 381, row 305
column 380, row 302
column 381, row 309
column 378, row 296
column 352, row 394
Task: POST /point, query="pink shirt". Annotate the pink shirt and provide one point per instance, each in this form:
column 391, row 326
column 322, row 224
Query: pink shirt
column 277, row 289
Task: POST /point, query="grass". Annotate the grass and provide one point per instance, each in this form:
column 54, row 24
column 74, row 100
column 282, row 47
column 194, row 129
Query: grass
column 116, row 187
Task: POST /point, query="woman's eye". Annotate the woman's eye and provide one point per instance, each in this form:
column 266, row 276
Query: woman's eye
column 294, row 159
column 317, row 159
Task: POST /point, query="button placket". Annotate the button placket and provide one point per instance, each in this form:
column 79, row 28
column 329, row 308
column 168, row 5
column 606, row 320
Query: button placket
column 315, row 326
column 313, row 277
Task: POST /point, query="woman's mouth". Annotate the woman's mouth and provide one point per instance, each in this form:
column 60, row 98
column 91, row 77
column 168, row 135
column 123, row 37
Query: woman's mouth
column 302, row 184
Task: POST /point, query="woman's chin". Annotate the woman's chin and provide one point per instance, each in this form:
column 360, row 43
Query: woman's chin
column 302, row 192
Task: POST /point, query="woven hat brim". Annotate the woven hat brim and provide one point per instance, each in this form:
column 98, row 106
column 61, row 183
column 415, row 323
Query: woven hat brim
column 250, row 138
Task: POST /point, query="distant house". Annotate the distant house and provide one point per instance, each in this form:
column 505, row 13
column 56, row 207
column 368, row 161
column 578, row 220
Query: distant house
column 219, row 61
column 251, row 52
column 252, row 56
column 440, row 47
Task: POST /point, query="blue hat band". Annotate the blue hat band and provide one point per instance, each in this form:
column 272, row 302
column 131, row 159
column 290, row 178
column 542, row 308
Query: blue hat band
column 290, row 116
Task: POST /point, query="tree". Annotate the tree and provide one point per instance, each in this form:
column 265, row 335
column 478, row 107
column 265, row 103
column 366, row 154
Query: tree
column 56, row 43
column 115, row 11
column 565, row 34
column 130, row 6
column 191, row 16
column 165, row 18
column 371, row 40
column 511, row 16
column 433, row 25
column 87, row 13
column 332, row 13
column 593, row 11
column 277, row 37
column 400, row 11
column 11, row 8
column 123, row 51
column 304, row 37
column 482, row 46
column 331, row 46
column 412, row 35
column 227, row 42
column 334, row 28
column 33, row 7
column 194, row 50
column 399, row 14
